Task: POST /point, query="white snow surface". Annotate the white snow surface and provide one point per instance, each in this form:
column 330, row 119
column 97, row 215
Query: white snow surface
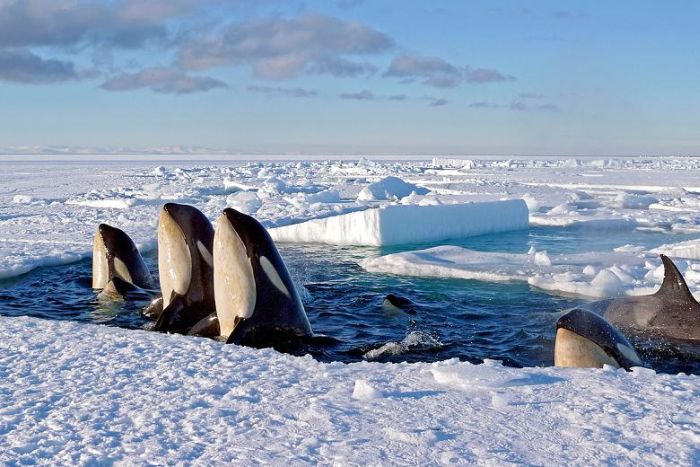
column 82, row 394
column 400, row 224
column 389, row 188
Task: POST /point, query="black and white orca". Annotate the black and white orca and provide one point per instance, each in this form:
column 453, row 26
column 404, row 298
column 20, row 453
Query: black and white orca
column 185, row 267
column 117, row 265
column 394, row 303
column 257, row 303
column 585, row 340
column 670, row 313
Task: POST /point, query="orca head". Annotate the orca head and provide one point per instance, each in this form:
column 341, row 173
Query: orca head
column 585, row 340
column 256, row 300
column 235, row 289
column 398, row 303
column 114, row 254
column 185, row 239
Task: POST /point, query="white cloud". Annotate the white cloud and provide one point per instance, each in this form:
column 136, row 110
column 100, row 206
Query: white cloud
column 162, row 80
column 279, row 49
column 280, row 91
column 439, row 73
column 22, row 66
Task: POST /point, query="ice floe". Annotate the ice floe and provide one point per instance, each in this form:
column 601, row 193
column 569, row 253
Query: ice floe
column 627, row 270
column 247, row 202
column 401, row 224
column 688, row 250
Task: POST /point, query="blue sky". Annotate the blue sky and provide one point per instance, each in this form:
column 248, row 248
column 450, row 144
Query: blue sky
column 353, row 77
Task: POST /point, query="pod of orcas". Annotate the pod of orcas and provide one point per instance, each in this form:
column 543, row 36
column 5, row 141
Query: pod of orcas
column 230, row 283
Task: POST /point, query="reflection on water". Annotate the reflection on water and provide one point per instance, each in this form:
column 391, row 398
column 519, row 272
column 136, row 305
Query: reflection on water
column 468, row 320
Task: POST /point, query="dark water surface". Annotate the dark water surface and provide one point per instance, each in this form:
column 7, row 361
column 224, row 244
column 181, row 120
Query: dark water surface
column 469, row 320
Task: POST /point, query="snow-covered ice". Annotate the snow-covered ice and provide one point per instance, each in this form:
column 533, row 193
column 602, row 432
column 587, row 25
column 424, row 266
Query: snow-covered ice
column 592, row 274
column 85, row 394
column 389, row 188
column 689, row 249
column 400, row 224
column 79, row 194
column 76, row 393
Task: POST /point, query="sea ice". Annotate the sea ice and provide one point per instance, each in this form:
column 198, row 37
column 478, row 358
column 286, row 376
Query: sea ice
column 689, row 249
column 75, row 393
column 632, row 201
column 400, row 224
column 247, row 202
column 22, row 199
column 365, row 391
column 593, row 274
column 129, row 194
column 389, row 188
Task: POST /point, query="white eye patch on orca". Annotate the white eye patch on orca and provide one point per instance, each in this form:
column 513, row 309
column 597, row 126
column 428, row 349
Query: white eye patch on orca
column 121, row 269
column 206, row 256
column 273, row 275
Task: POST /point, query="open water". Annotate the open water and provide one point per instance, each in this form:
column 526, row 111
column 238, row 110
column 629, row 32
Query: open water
column 452, row 318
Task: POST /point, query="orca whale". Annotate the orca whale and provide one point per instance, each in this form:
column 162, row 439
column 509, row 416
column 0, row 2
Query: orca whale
column 670, row 313
column 185, row 238
column 256, row 301
column 585, row 340
column 117, row 265
column 397, row 303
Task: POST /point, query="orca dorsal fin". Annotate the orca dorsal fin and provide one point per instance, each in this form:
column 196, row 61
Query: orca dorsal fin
column 674, row 285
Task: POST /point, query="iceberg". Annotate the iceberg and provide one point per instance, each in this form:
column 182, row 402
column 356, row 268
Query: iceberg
column 402, row 224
